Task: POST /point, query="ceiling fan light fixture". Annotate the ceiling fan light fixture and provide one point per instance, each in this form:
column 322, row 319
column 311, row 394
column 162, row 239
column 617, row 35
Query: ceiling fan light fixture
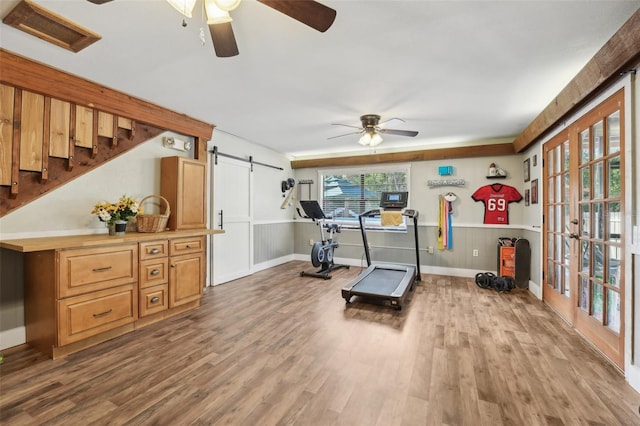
column 376, row 139
column 365, row 139
column 227, row 5
column 215, row 15
column 183, row 6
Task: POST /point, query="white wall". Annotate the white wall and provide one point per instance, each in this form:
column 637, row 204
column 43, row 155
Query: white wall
column 67, row 210
column 266, row 180
column 467, row 212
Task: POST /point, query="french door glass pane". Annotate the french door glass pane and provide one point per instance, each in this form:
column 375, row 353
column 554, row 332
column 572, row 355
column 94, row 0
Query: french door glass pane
column 613, row 310
column 585, row 213
column 584, row 255
column 585, row 147
column 567, row 217
column 614, row 177
column 559, row 218
column 613, row 132
column 598, row 260
column 557, row 160
column 550, row 276
column 614, row 224
column 614, row 266
column 559, row 277
column 566, row 195
column 598, row 142
column 567, row 282
column 597, row 301
column 551, row 223
column 598, row 221
column 584, row 294
column 585, row 183
column 598, row 181
column 550, row 161
column 559, row 192
column 565, row 146
column 550, row 193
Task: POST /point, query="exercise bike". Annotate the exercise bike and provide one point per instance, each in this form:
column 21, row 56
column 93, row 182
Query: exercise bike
column 322, row 251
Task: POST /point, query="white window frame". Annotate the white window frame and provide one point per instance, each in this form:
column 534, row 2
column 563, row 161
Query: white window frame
column 370, row 223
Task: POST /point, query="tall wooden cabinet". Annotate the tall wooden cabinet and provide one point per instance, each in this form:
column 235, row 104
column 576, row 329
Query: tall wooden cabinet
column 183, row 184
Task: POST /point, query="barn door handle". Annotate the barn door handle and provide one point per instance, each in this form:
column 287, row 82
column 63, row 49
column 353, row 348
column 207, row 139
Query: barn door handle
column 221, row 226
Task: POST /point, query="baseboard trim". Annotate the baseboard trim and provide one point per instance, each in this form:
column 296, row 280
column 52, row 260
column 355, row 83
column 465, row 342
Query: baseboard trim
column 13, row 337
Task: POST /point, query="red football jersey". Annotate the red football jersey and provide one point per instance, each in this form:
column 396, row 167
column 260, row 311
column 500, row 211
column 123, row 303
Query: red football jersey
column 496, row 199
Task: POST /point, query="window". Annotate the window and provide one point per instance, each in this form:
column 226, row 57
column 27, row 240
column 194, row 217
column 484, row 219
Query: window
column 347, row 193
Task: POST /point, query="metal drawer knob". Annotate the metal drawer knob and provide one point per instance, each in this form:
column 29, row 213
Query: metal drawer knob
column 155, row 272
column 155, row 299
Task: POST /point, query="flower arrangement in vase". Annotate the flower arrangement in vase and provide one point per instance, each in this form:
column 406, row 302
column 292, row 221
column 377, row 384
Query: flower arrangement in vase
column 116, row 215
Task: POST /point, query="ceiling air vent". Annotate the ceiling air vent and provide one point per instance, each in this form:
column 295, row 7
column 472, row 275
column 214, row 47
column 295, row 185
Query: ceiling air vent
column 46, row 25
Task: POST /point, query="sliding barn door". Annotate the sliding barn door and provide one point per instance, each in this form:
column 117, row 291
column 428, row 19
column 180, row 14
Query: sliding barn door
column 232, row 212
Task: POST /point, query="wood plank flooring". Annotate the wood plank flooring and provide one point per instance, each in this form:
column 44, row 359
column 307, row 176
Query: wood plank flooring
column 279, row 349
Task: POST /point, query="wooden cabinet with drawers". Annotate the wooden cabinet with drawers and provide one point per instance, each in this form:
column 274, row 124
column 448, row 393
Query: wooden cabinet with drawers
column 83, row 290
column 76, row 296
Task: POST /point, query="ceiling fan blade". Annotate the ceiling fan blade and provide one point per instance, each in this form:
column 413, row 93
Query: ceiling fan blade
column 99, row 1
column 346, row 134
column 309, row 12
column 346, row 125
column 224, row 42
column 411, row 133
column 391, row 120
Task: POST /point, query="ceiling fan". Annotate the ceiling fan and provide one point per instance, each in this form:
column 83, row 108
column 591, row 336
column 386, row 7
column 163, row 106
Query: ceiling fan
column 308, row 12
column 372, row 130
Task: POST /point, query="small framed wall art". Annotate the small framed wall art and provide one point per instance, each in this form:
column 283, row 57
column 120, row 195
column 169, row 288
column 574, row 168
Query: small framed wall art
column 534, row 191
column 526, row 170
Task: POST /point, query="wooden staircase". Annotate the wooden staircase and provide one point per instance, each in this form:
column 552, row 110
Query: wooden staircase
column 55, row 127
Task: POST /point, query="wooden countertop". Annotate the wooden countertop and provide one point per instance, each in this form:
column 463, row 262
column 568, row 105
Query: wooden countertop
column 72, row 241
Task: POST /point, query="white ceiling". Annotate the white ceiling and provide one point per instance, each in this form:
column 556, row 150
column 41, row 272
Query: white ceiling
column 459, row 72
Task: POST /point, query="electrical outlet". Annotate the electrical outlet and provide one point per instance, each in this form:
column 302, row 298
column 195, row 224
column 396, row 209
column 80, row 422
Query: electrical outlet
column 475, row 252
column 430, row 250
column 311, row 242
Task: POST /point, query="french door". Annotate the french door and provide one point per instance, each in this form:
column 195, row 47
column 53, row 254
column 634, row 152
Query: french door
column 583, row 226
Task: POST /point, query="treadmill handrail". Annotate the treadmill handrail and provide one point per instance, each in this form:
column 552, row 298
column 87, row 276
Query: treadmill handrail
column 410, row 213
column 376, row 212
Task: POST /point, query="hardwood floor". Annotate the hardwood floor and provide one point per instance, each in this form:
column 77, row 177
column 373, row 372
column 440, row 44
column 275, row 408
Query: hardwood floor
column 276, row 348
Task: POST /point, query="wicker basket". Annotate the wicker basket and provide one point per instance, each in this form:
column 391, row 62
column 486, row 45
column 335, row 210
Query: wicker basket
column 154, row 222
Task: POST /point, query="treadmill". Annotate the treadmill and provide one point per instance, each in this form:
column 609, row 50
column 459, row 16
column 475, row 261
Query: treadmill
column 386, row 281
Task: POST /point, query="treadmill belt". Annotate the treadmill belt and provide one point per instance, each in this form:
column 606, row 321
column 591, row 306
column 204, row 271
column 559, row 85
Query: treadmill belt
column 381, row 281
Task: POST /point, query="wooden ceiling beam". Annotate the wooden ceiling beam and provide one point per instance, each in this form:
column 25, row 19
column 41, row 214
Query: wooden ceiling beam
column 25, row 73
column 617, row 56
column 399, row 157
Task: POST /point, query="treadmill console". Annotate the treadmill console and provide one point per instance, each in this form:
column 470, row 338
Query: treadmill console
column 394, row 200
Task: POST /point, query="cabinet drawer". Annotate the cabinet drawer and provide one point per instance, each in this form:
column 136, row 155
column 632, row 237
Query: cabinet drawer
column 186, row 245
column 85, row 270
column 154, row 299
column 153, row 272
column 84, row 316
column 154, row 249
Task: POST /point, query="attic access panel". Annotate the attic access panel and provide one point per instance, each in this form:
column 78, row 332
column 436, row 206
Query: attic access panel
column 49, row 26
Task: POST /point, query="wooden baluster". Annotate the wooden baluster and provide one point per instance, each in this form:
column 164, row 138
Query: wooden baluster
column 72, row 137
column 15, row 153
column 7, row 95
column 46, row 138
column 94, row 140
column 114, row 141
